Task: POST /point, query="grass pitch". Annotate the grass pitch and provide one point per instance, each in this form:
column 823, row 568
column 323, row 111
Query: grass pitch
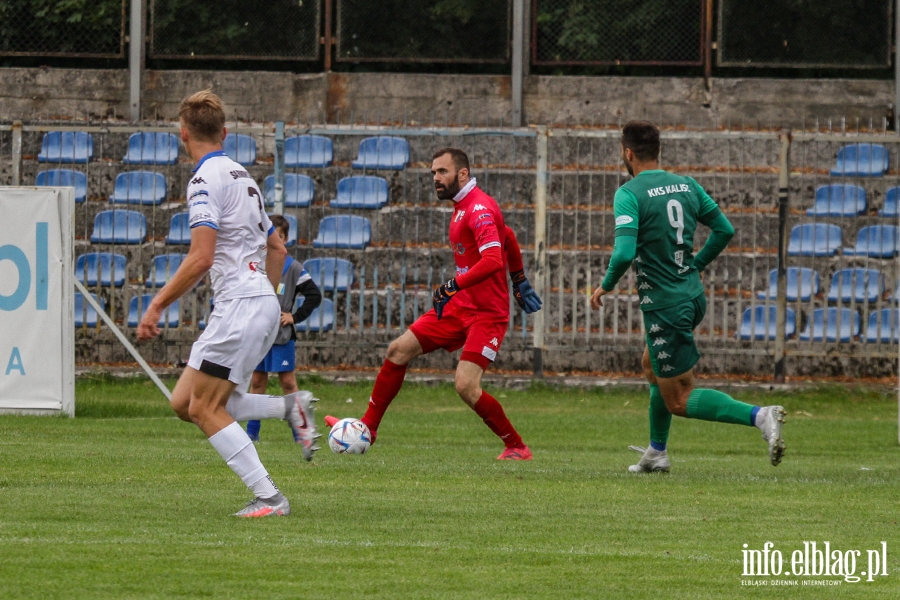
column 125, row 501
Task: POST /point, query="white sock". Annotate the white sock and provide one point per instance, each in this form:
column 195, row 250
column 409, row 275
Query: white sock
column 233, row 444
column 264, row 488
column 246, row 407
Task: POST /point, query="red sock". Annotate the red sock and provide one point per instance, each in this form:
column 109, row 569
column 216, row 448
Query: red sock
column 493, row 416
column 387, row 385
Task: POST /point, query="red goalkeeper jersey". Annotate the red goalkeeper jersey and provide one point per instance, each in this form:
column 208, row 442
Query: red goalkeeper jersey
column 477, row 225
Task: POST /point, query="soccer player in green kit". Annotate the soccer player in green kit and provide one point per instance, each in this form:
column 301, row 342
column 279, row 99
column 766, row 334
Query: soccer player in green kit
column 656, row 215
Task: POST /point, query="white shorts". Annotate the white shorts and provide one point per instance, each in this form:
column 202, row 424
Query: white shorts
column 238, row 336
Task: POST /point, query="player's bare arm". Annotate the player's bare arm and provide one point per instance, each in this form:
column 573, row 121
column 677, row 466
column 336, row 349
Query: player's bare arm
column 193, row 268
column 275, row 255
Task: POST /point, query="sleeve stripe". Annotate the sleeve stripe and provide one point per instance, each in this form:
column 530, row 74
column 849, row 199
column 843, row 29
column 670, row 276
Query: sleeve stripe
column 206, row 224
column 271, row 229
column 489, row 245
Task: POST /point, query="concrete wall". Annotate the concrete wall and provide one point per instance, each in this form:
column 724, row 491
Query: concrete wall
column 467, row 99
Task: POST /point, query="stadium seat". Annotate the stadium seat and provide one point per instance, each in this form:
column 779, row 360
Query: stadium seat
column 321, row 319
column 860, row 285
column 162, row 268
column 119, row 227
column 343, row 231
column 240, row 148
column 139, row 187
column 863, row 160
column 179, row 229
column 382, row 153
column 361, row 192
column 64, row 178
column 883, row 326
column 823, row 325
column 330, row 274
column 66, row 147
column 758, row 323
column 802, row 284
column 169, row 318
column 891, row 204
column 100, row 268
column 839, row 200
column 152, row 148
column 814, row 239
column 875, row 241
column 299, row 190
column 307, row 151
column 292, row 230
column 85, row 315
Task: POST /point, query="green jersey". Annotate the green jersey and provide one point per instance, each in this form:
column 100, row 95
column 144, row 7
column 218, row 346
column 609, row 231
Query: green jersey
column 662, row 210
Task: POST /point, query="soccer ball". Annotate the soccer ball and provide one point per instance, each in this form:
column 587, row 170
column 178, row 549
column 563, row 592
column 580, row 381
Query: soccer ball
column 349, row 436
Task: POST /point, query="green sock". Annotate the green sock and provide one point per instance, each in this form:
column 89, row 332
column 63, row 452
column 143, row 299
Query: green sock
column 660, row 418
column 712, row 405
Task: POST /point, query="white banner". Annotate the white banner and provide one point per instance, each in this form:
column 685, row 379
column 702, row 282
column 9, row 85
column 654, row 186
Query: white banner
column 37, row 338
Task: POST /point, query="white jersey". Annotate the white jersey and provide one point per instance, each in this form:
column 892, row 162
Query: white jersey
column 222, row 195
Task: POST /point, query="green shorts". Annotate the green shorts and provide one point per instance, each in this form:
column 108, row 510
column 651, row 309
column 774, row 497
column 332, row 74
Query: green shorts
column 670, row 337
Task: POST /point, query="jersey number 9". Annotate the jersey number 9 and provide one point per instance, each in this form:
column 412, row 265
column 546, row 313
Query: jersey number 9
column 675, row 212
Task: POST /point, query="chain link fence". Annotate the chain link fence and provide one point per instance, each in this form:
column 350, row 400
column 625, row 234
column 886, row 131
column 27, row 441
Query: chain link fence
column 803, row 33
column 72, row 28
column 459, row 31
column 230, row 29
column 618, row 32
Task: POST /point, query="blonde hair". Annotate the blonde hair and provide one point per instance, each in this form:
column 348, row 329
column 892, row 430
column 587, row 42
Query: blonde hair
column 203, row 115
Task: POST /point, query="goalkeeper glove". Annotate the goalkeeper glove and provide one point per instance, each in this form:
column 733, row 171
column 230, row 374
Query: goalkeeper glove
column 442, row 296
column 525, row 296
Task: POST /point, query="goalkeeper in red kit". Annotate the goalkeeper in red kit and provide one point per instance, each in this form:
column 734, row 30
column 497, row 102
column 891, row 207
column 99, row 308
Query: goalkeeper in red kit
column 471, row 311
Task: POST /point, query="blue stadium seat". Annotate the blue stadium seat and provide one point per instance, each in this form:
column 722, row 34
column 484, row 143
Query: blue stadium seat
column 138, row 306
column 839, row 200
column 179, row 229
column 308, row 151
column 343, row 231
column 814, row 239
column 802, row 284
column 860, row 285
column 321, row 319
column 758, row 323
column 64, row 178
column 66, row 147
column 864, row 160
column 119, row 227
column 299, row 190
column 361, row 192
column 891, row 204
column 100, row 268
column 330, row 274
column 139, row 187
column 152, row 148
column 875, row 241
column 240, row 148
column 883, row 326
column 382, row 153
column 292, row 230
column 162, row 268
column 823, row 325
column 85, row 315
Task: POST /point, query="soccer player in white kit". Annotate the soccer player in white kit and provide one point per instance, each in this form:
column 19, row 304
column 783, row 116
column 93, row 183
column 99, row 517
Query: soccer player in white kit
column 232, row 239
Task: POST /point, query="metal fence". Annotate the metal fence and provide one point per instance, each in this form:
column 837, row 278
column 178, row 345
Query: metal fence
column 54, row 28
column 464, row 31
column 230, row 29
column 787, row 33
column 576, row 32
column 767, row 299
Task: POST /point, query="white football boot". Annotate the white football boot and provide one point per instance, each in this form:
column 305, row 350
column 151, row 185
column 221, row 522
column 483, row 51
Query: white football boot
column 652, row 461
column 299, row 414
column 769, row 420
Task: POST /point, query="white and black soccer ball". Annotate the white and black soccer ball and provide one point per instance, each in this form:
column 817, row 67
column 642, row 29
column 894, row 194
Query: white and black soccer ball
column 349, row 436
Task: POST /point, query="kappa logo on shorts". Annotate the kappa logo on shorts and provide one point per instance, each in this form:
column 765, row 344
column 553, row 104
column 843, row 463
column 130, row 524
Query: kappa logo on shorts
column 646, row 300
column 663, row 355
column 640, row 273
column 655, row 328
column 495, row 342
column 638, row 260
column 667, row 368
column 645, row 286
column 659, row 342
column 284, row 363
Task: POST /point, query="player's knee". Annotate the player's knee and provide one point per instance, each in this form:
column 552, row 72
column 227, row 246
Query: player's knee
column 468, row 390
column 398, row 353
column 180, row 406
